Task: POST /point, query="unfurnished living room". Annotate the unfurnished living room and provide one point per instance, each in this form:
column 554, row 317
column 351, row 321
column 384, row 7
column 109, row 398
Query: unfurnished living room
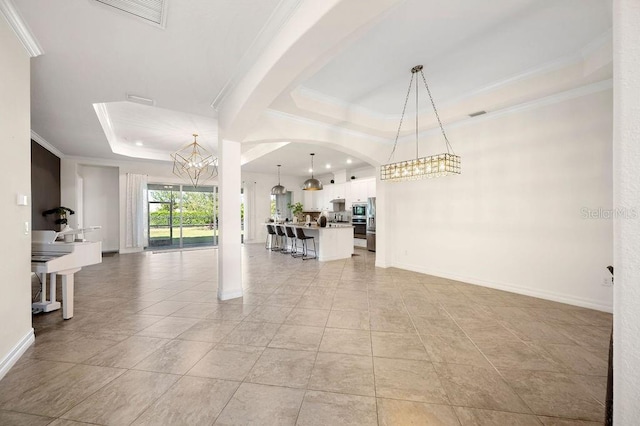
column 303, row 212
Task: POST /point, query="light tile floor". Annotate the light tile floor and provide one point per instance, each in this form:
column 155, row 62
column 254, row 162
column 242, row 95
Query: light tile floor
column 310, row 343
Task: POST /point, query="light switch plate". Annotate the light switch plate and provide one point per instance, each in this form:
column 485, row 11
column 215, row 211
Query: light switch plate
column 22, row 200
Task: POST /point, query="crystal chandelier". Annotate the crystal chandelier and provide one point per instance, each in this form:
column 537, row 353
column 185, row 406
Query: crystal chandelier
column 278, row 189
column 195, row 163
column 422, row 167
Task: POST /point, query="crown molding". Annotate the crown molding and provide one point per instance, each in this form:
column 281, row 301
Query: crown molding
column 578, row 92
column 557, row 64
column 330, row 127
column 46, row 145
column 279, row 17
column 20, row 27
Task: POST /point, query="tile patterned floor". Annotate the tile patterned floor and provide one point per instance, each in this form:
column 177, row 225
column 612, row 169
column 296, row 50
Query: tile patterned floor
column 309, row 344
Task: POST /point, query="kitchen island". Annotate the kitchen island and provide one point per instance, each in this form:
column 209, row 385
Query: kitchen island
column 334, row 242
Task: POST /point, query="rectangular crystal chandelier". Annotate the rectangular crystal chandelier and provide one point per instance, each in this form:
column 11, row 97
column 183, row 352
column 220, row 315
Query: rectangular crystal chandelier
column 421, row 167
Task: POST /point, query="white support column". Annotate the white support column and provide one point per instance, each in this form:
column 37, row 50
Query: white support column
column 626, row 199
column 383, row 219
column 229, row 248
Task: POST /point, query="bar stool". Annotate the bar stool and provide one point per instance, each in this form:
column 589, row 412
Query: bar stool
column 302, row 237
column 272, row 238
column 282, row 237
column 292, row 240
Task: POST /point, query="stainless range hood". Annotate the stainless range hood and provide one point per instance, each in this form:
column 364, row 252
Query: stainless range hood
column 338, row 204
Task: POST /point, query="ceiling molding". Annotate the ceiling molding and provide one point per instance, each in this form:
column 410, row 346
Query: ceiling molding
column 259, row 151
column 46, row 145
column 537, row 103
column 331, row 127
column 302, row 92
column 274, row 24
column 317, row 96
column 20, row 27
column 557, row 64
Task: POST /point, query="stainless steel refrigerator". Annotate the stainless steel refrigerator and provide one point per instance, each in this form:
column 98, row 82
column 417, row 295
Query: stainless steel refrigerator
column 371, row 224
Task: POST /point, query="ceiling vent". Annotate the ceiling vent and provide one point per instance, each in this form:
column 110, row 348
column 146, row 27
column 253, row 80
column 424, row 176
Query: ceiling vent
column 153, row 11
column 477, row 113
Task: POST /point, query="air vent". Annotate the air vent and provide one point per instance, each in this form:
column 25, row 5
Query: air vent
column 149, row 10
column 140, row 100
column 477, row 113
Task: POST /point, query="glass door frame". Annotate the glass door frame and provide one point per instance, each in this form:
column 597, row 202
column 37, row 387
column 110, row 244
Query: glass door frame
column 178, row 191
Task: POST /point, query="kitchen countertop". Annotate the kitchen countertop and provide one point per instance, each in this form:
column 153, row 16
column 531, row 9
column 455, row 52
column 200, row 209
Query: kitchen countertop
column 330, row 225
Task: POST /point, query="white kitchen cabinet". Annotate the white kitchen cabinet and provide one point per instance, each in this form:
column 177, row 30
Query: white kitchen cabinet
column 371, row 188
column 307, row 200
column 338, row 191
column 358, row 191
column 327, row 196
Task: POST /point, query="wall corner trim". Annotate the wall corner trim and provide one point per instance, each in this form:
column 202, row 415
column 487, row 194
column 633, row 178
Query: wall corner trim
column 16, row 352
column 46, row 145
column 20, row 27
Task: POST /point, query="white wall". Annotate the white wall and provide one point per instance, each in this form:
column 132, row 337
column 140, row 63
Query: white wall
column 626, row 316
column 263, row 185
column 101, row 204
column 513, row 218
column 73, row 171
column 16, row 333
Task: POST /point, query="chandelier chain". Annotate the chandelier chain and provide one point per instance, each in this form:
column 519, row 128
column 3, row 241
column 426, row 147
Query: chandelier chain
column 404, row 108
column 446, row 140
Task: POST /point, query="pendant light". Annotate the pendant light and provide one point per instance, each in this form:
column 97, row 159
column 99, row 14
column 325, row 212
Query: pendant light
column 278, row 189
column 312, row 184
column 437, row 165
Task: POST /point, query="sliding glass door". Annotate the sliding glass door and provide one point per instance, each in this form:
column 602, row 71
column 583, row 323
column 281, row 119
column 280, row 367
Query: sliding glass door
column 182, row 216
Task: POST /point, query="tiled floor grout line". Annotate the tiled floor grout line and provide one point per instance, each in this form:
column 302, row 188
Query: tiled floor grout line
column 306, row 388
column 490, row 363
column 424, row 346
column 353, row 271
column 373, row 365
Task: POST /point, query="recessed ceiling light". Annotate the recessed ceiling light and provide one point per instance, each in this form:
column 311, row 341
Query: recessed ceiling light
column 328, row 166
column 139, row 143
column 310, row 170
column 349, row 161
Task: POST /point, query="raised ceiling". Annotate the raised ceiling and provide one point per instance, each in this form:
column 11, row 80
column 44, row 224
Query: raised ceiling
column 464, row 46
column 96, row 54
column 296, row 161
column 475, row 56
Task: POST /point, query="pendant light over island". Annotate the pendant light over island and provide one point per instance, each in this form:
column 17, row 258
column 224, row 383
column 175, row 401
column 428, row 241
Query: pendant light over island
column 312, row 184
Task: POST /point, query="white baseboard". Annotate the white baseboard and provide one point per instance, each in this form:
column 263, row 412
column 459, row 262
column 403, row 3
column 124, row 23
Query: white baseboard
column 527, row 291
column 16, row 352
column 230, row 295
column 128, row 250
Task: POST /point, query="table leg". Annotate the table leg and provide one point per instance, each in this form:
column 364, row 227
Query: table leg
column 52, row 287
column 43, row 287
column 67, row 296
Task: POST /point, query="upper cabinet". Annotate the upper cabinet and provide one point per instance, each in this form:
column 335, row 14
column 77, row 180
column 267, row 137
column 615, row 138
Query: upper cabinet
column 361, row 189
column 355, row 191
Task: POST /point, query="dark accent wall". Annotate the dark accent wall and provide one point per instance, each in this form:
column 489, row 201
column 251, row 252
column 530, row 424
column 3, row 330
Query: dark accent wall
column 45, row 186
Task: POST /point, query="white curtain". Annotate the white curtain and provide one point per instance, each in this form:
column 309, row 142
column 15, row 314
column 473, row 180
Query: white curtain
column 136, row 216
